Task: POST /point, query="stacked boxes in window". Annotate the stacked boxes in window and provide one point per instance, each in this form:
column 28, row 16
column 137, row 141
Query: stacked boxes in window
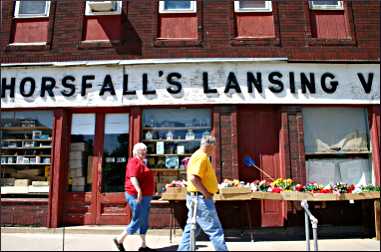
column 76, row 164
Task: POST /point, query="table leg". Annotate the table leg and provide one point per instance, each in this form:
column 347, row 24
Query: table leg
column 171, row 221
column 377, row 218
column 250, row 223
column 306, row 230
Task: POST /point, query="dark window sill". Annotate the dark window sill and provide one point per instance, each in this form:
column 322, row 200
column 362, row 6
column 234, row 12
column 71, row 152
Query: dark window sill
column 177, row 42
column 96, row 44
column 27, row 47
column 330, row 42
column 255, row 41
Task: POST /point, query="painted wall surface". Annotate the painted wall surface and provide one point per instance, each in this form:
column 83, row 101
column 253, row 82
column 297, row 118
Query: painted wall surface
column 190, row 83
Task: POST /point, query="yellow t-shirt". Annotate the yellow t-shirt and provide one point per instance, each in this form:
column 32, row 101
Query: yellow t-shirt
column 199, row 165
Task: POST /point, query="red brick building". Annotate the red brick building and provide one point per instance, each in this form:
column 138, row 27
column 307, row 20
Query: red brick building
column 295, row 84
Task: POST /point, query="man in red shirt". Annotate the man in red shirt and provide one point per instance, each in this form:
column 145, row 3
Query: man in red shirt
column 139, row 188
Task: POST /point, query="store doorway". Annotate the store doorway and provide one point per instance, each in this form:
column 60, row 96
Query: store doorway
column 98, row 152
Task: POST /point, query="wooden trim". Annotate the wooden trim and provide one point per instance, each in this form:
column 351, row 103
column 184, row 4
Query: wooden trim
column 97, row 167
column 216, row 131
column 58, row 171
column 374, row 118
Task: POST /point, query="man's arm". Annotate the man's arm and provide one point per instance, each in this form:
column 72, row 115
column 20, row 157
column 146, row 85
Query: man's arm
column 196, row 181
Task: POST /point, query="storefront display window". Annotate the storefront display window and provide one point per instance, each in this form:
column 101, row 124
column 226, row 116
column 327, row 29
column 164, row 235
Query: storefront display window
column 26, row 149
column 81, row 152
column 337, row 145
column 171, row 136
column 115, row 152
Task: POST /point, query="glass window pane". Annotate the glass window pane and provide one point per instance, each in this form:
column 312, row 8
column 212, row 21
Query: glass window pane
column 171, row 136
column 176, row 4
column 115, row 152
column 332, row 171
column 335, row 129
column 32, row 7
column 326, row 2
column 250, row 4
column 81, row 152
column 26, row 149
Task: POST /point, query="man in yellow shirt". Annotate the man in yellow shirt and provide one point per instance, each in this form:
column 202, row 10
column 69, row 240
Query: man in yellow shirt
column 202, row 184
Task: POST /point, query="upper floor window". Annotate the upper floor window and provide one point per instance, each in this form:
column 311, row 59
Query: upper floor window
column 252, row 6
column 31, row 9
column 177, row 6
column 103, row 8
column 326, row 5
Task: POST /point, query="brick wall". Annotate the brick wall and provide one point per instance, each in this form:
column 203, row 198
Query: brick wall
column 33, row 212
column 139, row 27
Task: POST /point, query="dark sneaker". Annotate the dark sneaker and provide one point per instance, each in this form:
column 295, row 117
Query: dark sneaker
column 118, row 245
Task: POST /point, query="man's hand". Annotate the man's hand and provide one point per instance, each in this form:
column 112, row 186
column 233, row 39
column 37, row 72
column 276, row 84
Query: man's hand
column 208, row 195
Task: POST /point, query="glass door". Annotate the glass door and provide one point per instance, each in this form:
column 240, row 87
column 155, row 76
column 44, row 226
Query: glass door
column 111, row 173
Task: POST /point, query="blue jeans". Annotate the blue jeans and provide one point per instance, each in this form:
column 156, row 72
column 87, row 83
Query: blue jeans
column 206, row 219
column 140, row 214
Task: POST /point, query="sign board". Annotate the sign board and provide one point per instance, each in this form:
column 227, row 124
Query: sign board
column 189, row 83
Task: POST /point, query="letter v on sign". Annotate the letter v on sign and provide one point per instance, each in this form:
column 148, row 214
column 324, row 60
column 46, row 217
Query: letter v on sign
column 366, row 84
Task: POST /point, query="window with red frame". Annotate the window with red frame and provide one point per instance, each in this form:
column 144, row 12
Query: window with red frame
column 328, row 19
column 254, row 19
column 178, row 19
column 31, row 22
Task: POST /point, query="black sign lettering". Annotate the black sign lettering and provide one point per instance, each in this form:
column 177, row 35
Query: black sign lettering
column 175, row 83
column 107, row 86
column 145, row 86
column 85, row 84
column 334, row 84
column 292, row 82
column 10, row 86
column 205, row 84
column 70, row 86
column 32, row 86
column 125, row 86
column 308, row 83
column 232, row 83
column 278, row 83
column 257, row 81
column 47, row 87
column 367, row 85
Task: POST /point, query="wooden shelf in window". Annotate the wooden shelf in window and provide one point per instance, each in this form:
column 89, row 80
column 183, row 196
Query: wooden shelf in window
column 158, row 155
column 165, row 169
column 174, row 140
column 26, row 140
column 337, row 153
column 28, row 164
column 177, row 128
column 25, row 128
column 26, row 148
column 43, row 155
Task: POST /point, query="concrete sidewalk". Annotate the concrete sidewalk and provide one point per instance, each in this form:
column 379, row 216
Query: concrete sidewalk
column 99, row 238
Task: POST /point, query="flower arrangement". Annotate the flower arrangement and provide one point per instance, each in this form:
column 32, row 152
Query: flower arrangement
column 176, row 183
column 281, row 184
column 260, row 185
column 369, row 188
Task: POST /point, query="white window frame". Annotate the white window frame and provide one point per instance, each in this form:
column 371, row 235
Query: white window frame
column 192, row 9
column 89, row 12
column 316, row 6
column 267, row 8
column 17, row 13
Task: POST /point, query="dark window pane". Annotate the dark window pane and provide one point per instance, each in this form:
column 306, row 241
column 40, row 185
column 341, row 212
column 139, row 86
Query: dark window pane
column 174, row 5
column 115, row 152
column 32, row 7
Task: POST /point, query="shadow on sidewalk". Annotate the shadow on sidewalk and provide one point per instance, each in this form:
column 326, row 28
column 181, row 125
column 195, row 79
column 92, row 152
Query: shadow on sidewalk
column 174, row 248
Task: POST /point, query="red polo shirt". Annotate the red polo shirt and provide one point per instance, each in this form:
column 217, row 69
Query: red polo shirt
column 136, row 168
